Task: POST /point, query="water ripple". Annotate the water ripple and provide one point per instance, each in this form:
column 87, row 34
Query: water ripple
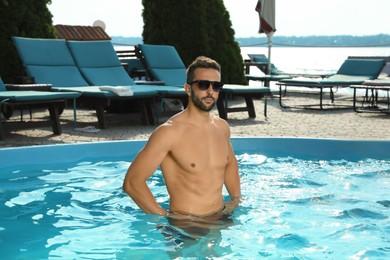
column 289, row 242
column 385, row 203
column 324, row 200
column 360, row 213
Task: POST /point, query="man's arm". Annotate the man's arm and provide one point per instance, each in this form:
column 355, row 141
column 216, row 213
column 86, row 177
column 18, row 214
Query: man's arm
column 142, row 168
column 232, row 177
column 232, row 183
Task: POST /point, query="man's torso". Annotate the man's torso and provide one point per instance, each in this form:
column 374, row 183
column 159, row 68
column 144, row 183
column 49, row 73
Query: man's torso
column 194, row 169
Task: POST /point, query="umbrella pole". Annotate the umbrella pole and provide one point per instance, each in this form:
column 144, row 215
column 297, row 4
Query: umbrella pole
column 267, row 83
column 269, row 52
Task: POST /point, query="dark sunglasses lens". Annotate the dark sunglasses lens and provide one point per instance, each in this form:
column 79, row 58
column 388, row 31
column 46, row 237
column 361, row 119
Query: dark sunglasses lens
column 204, row 84
column 217, row 86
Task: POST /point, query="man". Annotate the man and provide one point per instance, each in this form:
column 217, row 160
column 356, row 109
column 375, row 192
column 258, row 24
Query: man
column 194, row 153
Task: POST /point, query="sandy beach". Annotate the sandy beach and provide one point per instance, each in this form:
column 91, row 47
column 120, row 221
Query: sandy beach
column 333, row 124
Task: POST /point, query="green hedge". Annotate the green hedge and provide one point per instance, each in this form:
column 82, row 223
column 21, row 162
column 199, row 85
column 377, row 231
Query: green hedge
column 26, row 18
column 195, row 28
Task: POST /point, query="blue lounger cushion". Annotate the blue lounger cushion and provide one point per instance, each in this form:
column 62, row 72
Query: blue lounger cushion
column 165, row 64
column 99, row 63
column 362, row 67
column 107, row 76
column 94, row 91
column 171, row 77
column 56, row 75
column 50, row 52
column 2, row 86
column 49, row 61
column 30, row 95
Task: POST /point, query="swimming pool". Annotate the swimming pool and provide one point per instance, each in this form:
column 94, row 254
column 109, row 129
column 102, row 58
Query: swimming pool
column 302, row 198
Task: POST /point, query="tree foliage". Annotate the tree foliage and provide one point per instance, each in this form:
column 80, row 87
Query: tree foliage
column 195, row 28
column 23, row 18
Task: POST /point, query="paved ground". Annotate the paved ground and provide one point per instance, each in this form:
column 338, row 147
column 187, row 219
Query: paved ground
column 335, row 124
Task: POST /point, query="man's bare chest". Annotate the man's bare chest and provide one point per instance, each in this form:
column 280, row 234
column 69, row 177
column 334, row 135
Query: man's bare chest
column 201, row 154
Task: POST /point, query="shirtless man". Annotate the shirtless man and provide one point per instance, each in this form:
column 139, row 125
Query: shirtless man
column 194, row 153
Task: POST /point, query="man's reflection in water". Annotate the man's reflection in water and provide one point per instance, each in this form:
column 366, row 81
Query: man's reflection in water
column 194, row 236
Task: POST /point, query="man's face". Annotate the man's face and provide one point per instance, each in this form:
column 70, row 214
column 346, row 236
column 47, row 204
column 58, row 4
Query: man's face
column 205, row 99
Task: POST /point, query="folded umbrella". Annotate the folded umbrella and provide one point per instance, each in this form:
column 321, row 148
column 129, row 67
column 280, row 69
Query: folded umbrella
column 266, row 10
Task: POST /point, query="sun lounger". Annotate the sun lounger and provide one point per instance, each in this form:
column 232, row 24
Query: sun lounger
column 133, row 66
column 261, row 62
column 51, row 61
column 372, row 101
column 373, row 96
column 9, row 100
column 266, row 79
column 246, row 92
column 163, row 63
column 100, row 65
column 386, row 69
column 351, row 72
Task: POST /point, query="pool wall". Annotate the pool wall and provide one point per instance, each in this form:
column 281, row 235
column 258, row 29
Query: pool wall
column 303, row 148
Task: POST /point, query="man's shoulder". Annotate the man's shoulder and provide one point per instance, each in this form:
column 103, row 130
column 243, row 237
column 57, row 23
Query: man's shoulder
column 167, row 135
column 170, row 126
column 221, row 122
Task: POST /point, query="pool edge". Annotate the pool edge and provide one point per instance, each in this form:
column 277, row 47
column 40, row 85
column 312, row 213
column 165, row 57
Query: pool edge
column 306, row 148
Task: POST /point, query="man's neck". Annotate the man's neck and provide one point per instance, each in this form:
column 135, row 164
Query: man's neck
column 198, row 115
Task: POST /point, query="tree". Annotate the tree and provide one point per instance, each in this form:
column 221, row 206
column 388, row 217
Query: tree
column 23, row 18
column 195, row 28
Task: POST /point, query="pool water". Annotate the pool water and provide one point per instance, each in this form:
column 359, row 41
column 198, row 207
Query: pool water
column 292, row 208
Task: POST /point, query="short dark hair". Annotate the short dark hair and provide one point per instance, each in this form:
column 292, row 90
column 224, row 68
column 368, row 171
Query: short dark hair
column 201, row 62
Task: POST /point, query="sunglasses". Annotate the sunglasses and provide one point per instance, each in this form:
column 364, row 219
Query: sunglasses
column 205, row 84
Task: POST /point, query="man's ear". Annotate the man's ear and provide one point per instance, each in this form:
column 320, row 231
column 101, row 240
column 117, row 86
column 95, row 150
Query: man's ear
column 187, row 88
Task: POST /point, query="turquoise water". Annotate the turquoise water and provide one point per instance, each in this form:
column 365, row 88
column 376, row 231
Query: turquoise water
column 292, row 208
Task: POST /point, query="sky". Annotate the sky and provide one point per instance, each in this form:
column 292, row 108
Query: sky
column 293, row 17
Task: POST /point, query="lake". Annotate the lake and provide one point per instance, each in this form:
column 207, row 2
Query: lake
column 312, row 59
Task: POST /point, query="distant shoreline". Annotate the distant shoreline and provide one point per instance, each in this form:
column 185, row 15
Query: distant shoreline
column 380, row 40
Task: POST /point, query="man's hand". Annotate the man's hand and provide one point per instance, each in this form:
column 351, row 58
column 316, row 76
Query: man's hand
column 231, row 205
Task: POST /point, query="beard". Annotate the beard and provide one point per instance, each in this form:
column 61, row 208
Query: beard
column 198, row 102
